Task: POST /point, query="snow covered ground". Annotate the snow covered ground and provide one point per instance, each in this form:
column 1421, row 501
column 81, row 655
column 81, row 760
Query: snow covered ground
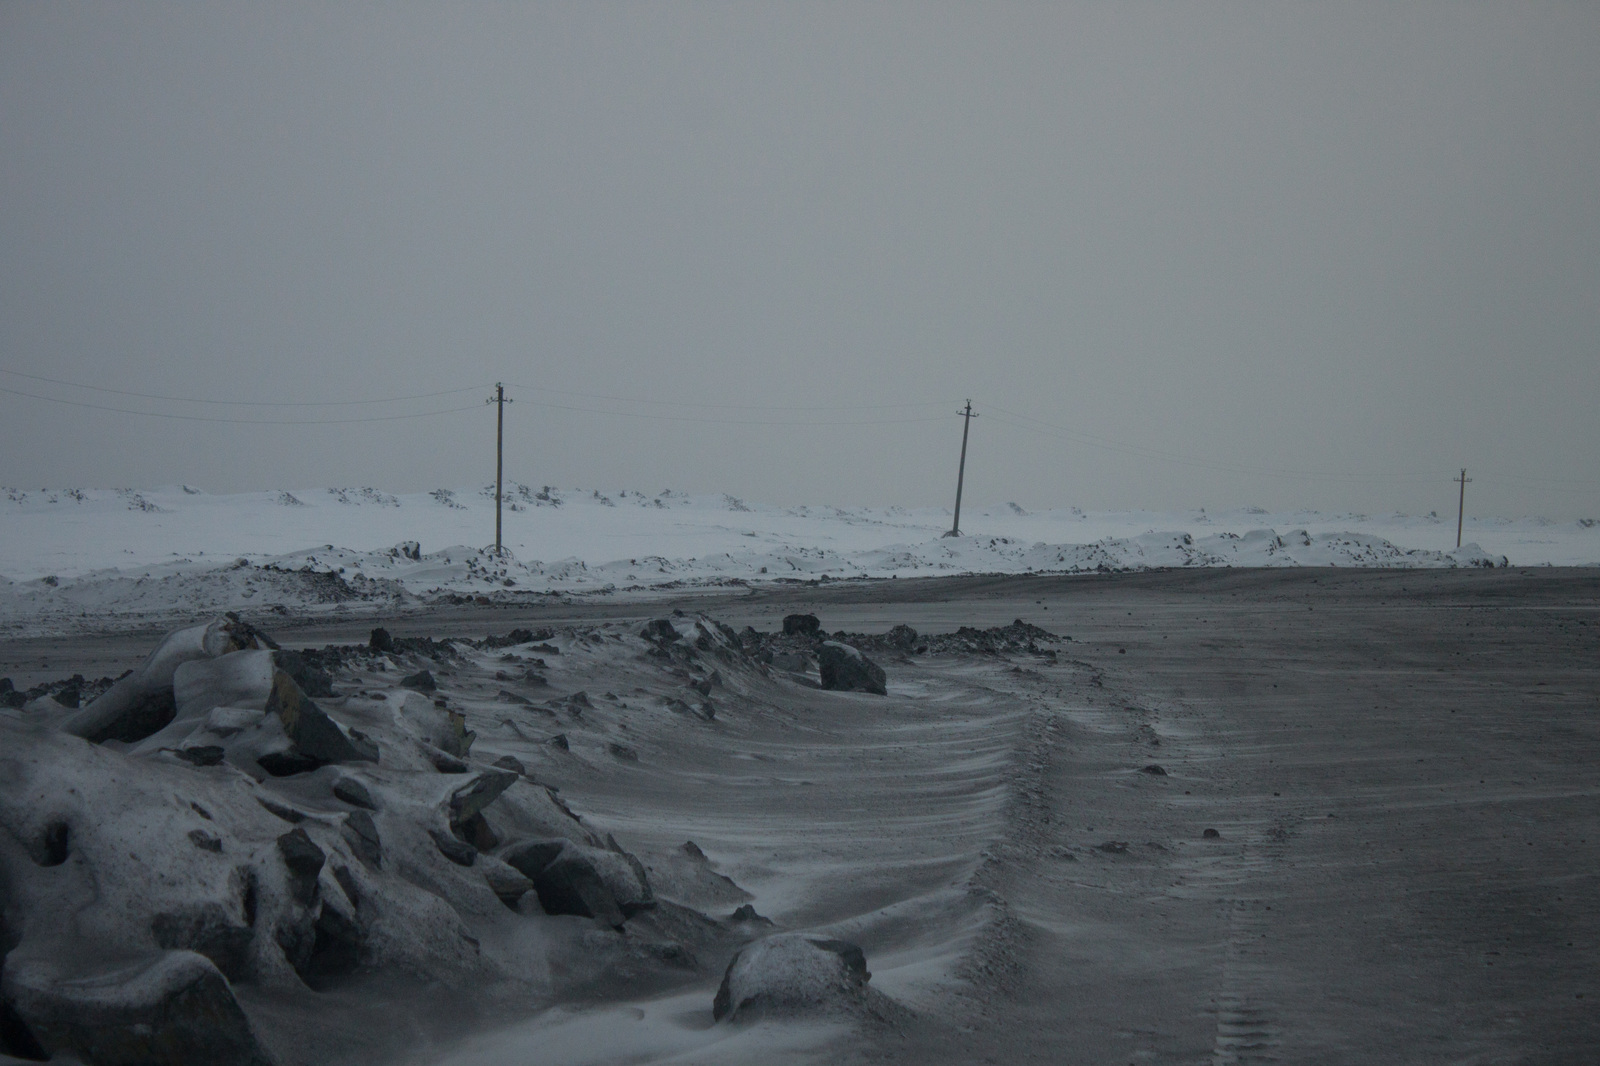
column 76, row 558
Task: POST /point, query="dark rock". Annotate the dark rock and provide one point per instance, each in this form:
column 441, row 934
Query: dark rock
column 205, row 841
column 336, row 948
column 470, row 799
column 794, row 662
column 354, row 793
column 1154, row 770
column 304, row 861
column 514, row 698
column 476, row 831
column 381, row 641
column 10, row 697
column 791, row 974
column 210, row 931
column 287, row 763
column 509, row 884
column 347, row 882
column 659, row 631
column 691, row 849
column 1113, row 847
column 202, row 754
column 511, row 763
column 531, row 857
column 902, row 636
column 559, row 741
column 314, row 735
column 457, row 851
column 288, row 814
column 747, row 913
column 845, row 669
column 448, row 730
column 361, row 832
column 312, row 679
column 421, row 681
column 444, row 762
column 801, row 625
column 1211, row 834
column 570, row 884
column 173, row 1010
column 622, row 751
column 518, row 636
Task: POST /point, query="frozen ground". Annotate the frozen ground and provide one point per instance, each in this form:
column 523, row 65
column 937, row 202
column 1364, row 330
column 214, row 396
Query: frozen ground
column 1400, row 767
column 82, row 560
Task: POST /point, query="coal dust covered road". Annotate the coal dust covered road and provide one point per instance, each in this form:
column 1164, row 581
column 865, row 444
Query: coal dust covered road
column 1403, row 771
column 1298, row 815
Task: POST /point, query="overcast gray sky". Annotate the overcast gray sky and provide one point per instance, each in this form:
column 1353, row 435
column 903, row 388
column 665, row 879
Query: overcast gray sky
column 1199, row 245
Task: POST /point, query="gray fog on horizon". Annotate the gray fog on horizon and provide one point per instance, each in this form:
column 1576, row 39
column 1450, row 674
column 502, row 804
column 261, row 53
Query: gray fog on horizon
column 1290, row 255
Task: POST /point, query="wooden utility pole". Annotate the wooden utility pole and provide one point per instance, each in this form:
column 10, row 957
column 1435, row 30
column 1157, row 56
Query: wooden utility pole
column 499, row 400
column 961, row 471
column 1461, row 512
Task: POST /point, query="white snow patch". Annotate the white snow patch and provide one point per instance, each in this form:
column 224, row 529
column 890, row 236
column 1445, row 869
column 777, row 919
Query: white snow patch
column 85, row 559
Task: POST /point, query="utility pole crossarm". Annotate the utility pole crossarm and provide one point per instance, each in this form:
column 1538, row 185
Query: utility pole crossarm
column 961, row 471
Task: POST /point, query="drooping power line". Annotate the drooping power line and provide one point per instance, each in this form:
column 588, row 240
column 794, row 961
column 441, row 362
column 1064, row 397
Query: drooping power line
column 233, row 403
column 239, row 421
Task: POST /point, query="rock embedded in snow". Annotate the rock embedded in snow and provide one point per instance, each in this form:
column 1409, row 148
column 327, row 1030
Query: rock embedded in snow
column 794, row 662
column 457, row 851
column 507, row 882
column 844, row 668
column 361, row 833
column 901, row 636
column 422, row 681
column 467, row 804
column 316, row 738
column 354, row 793
column 659, row 631
column 171, row 1010
column 609, row 886
column 801, row 625
column 304, row 861
column 790, row 975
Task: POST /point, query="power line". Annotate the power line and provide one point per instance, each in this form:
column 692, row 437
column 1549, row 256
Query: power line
column 1139, row 451
column 732, row 421
column 234, row 403
column 240, row 421
column 734, row 406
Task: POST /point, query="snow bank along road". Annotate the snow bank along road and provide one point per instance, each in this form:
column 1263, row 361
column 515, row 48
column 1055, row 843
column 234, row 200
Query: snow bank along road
column 1402, row 769
column 91, row 560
